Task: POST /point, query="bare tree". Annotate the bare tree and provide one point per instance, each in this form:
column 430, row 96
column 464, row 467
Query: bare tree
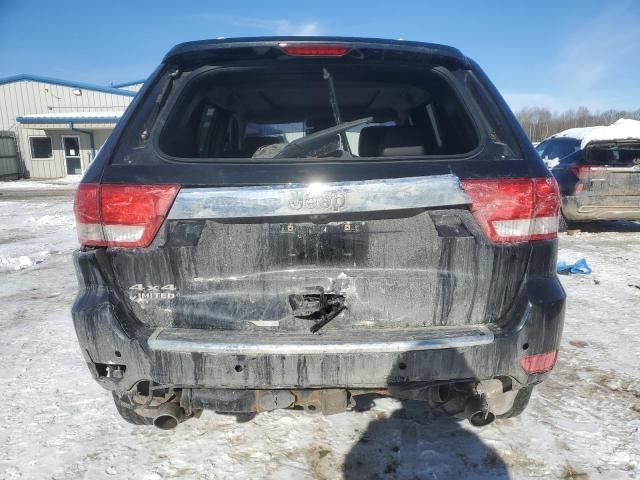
column 540, row 123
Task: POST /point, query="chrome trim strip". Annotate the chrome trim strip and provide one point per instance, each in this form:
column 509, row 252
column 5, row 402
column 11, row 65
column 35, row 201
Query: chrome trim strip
column 311, row 345
column 319, row 198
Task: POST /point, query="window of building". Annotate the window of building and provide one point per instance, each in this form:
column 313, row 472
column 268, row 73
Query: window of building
column 41, row 147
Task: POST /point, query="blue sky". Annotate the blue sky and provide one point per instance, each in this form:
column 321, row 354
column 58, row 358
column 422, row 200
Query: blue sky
column 549, row 53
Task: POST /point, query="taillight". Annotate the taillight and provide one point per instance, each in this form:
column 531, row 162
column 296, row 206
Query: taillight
column 87, row 215
column 121, row 215
column 540, row 363
column 584, row 173
column 315, row 50
column 577, row 169
column 584, row 170
column 515, row 210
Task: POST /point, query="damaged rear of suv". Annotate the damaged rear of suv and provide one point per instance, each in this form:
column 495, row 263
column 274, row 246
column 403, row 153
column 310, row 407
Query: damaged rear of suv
column 293, row 223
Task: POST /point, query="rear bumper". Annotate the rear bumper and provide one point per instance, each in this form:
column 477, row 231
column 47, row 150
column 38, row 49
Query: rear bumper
column 206, row 359
column 331, row 342
column 587, row 208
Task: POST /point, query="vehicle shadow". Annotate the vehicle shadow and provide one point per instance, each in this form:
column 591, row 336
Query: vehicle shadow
column 416, row 442
column 601, row 226
column 413, row 443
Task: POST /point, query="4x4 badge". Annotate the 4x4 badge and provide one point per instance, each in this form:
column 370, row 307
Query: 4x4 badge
column 142, row 294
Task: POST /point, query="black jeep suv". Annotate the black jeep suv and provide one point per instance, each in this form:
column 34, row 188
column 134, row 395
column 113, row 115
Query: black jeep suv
column 295, row 222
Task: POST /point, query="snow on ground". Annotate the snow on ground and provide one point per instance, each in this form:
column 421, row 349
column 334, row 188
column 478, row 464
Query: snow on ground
column 31, row 236
column 45, row 185
column 57, row 423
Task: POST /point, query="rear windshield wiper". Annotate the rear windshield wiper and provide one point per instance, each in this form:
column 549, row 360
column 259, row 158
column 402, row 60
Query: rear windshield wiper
column 335, row 108
column 301, row 146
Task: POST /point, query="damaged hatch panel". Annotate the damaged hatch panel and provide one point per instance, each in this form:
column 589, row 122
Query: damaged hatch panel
column 427, row 269
column 319, row 198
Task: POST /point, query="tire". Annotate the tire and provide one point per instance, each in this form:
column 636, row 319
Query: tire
column 519, row 403
column 125, row 409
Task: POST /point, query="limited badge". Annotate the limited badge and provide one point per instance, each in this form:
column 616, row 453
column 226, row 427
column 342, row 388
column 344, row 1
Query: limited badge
column 143, row 294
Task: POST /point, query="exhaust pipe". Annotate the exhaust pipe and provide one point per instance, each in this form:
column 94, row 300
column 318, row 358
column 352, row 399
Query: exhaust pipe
column 168, row 416
column 477, row 411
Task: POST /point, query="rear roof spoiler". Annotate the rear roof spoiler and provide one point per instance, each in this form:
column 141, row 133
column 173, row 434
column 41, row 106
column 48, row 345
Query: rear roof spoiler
column 442, row 52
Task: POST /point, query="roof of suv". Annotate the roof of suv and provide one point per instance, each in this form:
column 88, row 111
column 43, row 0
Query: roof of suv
column 623, row 129
column 221, row 43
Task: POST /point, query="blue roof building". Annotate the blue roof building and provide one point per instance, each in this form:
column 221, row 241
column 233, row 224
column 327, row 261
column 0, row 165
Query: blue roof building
column 51, row 128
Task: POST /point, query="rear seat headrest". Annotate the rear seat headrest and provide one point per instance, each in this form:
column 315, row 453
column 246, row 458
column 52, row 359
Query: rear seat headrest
column 401, row 141
column 384, row 141
column 369, row 141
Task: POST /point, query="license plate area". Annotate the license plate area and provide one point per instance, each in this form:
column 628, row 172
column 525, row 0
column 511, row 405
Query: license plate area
column 323, row 244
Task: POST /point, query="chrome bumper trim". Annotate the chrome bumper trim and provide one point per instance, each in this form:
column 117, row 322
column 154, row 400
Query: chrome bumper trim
column 344, row 342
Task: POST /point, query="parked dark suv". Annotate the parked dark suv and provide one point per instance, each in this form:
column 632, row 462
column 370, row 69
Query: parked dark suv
column 295, row 222
column 598, row 171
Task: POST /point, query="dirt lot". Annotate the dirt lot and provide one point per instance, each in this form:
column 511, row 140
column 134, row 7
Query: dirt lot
column 58, row 423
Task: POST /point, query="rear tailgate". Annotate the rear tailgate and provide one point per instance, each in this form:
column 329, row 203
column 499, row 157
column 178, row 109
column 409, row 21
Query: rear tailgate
column 609, row 181
column 380, row 229
column 408, row 253
column 613, row 169
column 421, row 262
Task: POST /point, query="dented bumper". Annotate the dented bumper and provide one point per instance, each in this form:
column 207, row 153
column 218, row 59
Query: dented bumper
column 120, row 354
column 582, row 208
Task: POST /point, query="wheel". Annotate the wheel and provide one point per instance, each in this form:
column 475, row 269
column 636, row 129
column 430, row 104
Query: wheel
column 563, row 224
column 125, row 409
column 519, row 403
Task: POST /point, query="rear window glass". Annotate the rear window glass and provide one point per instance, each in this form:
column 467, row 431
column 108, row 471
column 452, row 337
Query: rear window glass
column 316, row 110
column 294, row 112
column 558, row 148
column 614, row 154
column 496, row 125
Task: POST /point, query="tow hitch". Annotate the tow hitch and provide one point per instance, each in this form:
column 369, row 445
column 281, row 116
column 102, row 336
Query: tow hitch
column 317, row 305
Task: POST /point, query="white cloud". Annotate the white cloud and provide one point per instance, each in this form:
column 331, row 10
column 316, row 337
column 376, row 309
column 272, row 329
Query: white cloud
column 281, row 26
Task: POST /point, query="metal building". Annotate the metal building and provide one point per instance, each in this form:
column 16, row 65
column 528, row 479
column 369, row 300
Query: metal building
column 51, row 128
column 130, row 86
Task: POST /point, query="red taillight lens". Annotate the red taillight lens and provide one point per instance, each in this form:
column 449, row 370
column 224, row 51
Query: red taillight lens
column 121, row 215
column 515, row 210
column 316, row 50
column 87, row 215
column 86, row 204
column 584, row 174
column 577, row 169
column 540, row 363
column 580, row 171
